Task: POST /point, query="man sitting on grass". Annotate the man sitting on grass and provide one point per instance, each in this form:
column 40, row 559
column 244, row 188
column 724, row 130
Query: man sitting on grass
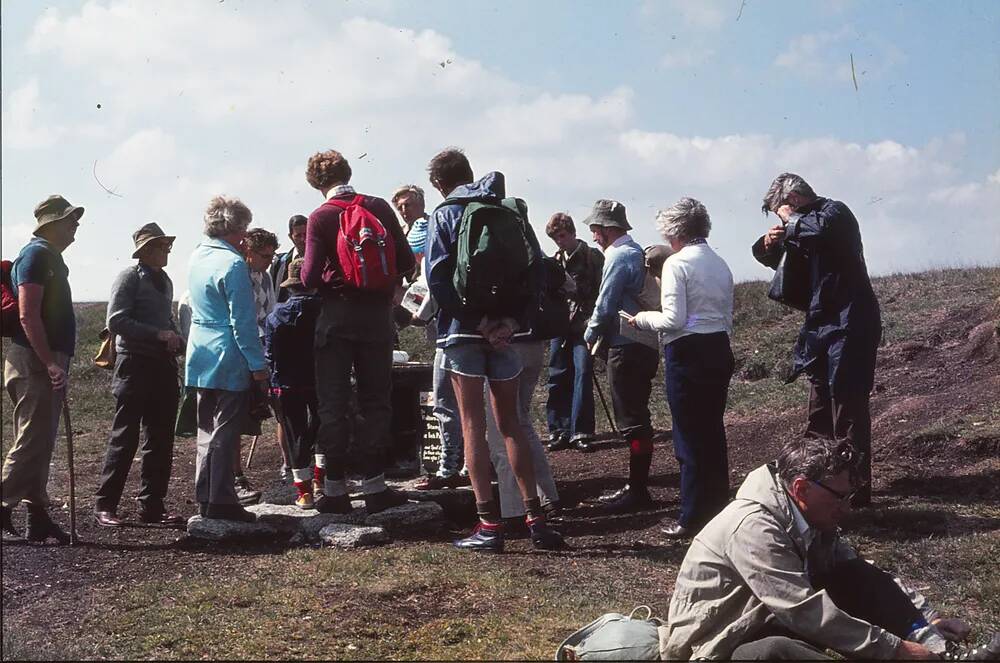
column 770, row 578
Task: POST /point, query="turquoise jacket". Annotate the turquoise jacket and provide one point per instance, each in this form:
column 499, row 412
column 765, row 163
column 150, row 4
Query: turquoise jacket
column 224, row 345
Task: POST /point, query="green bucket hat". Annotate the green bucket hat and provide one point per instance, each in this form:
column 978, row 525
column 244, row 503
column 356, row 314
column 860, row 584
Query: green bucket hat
column 147, row 234
column 608, row 214
column 52, row 209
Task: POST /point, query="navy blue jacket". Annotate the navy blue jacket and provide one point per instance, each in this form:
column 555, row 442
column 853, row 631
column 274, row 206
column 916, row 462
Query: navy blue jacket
column 456, row 326
column 288, row 341
column 839, row 338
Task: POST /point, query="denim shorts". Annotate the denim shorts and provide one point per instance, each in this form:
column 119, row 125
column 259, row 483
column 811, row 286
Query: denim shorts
column 482, row 360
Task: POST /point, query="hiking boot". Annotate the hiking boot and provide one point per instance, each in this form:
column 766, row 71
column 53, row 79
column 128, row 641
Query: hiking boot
column 627, row 499
column 672, row 529
column 988, row 652
column 558, row 442
column 161, row 517
column 41, row 527
column 338, row 504
column 304, row 499
column 484, row 538
column 582, row 443
column 245, row 493
column 383, row 500
column 544, row 537
column 229, row 512
column 7, row 522
column 108, row 519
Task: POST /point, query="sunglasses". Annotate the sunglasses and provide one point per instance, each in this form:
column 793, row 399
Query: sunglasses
column 843, row 497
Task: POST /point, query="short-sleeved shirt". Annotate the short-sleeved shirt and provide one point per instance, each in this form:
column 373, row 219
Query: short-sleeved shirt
column 40, row 264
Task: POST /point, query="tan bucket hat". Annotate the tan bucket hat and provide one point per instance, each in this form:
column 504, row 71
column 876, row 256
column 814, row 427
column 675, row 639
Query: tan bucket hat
column 294, row 277
column 147, row 234
column 54, row 208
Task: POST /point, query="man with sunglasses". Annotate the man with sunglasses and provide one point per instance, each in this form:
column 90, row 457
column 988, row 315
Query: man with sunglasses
column 769, row 578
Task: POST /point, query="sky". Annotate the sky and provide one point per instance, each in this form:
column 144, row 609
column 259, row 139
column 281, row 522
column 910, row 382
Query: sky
column 142, row 111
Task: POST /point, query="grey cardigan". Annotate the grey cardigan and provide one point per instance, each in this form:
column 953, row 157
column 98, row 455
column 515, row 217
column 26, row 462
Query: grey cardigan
column 137, row 311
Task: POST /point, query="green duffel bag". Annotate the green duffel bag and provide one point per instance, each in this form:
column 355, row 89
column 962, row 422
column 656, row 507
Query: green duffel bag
column 615, row 637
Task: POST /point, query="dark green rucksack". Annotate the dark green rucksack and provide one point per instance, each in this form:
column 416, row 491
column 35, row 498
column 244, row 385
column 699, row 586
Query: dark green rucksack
column 496, row 256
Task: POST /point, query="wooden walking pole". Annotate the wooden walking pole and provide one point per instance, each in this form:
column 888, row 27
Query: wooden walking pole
column 253, row 445
column 72, row 479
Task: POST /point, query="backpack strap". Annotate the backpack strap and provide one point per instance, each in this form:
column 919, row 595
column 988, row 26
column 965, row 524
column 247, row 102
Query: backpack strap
column 344, row 204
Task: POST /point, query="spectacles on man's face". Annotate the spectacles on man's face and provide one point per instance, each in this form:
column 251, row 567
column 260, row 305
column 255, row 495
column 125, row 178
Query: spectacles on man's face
column 843, row 497
column 266, row 256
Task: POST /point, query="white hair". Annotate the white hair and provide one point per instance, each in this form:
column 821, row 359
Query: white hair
column 409, row 189
column 685, row 220
column 784, row 184
column 225, row 216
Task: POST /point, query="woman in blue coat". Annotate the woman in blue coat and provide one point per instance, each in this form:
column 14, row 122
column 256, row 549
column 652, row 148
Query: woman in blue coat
column 224, row 353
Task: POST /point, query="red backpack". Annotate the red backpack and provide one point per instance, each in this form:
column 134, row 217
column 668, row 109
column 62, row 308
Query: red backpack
column 366, row 252
column 9, row 317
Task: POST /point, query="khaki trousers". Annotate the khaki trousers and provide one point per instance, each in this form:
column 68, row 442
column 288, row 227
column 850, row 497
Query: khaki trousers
column 36, row 424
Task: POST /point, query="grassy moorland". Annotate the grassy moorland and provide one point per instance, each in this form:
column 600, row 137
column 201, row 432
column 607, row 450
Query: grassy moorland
column 138, row 593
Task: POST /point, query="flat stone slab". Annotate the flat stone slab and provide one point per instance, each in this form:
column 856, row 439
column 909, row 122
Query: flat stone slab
column 344, row 535
column 214, row 529
column 291, row 519
column 407, row 518
column 459, row 504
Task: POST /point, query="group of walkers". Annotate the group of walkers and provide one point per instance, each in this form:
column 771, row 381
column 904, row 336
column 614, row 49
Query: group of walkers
column 310, row 333
column 255, row 329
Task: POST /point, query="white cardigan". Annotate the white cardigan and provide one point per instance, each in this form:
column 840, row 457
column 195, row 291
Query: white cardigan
column 696, row 295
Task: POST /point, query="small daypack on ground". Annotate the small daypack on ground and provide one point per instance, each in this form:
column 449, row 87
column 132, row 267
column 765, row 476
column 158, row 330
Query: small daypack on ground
column 496, row 254
column 365, row 250
column 9, row 315
column 552, row 318
column 614, row 637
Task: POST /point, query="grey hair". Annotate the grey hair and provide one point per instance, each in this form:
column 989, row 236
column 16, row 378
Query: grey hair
column 685, row 220
column 407, row 189
column 816, row 459
column 784, row 184
column 225, row 216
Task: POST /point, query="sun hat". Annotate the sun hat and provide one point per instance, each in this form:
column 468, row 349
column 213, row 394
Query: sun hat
column 294, row 274
column 608, row 214
column 147, row 234
column 52, row 209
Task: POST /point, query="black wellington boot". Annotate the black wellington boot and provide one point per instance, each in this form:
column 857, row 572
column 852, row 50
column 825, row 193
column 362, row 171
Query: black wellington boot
column 41, row 526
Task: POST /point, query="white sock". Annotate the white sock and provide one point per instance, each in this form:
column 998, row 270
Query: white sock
column 373, row 485
column 334, row 487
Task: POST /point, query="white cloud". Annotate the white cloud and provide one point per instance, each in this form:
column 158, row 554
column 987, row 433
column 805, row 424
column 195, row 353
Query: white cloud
column 209, row 100
column 26, row 124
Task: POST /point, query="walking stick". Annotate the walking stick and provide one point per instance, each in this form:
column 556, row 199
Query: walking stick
column 604, row 403
column 595, row 351
column 253, row 445
column 72, row 479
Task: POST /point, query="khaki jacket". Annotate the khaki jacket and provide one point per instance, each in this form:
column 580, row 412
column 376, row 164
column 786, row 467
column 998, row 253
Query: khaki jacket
column 750, row 567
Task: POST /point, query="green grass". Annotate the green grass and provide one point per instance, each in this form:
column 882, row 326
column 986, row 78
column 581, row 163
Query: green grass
column 425, row 600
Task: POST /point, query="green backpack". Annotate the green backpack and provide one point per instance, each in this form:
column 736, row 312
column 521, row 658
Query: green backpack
column 497, row 252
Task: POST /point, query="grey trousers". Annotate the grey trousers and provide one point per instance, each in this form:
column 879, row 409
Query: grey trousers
column 221, row 417
column 511, row 502
column 37, row 408
column 778, row 648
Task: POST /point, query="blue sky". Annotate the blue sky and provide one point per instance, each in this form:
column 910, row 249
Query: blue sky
column 644, row 102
